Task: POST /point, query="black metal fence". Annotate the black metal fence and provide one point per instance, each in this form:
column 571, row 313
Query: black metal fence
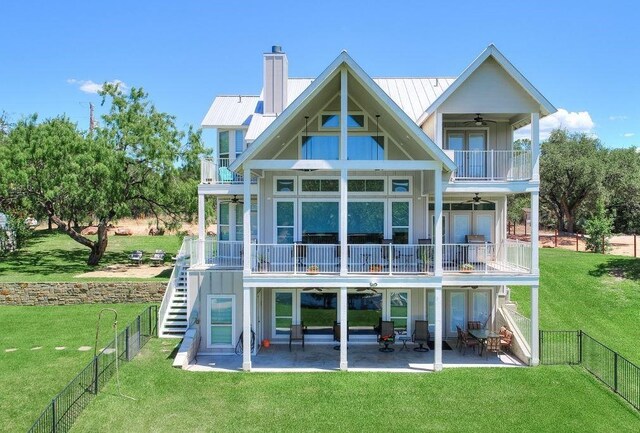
column 65, row 408
column 579, row 348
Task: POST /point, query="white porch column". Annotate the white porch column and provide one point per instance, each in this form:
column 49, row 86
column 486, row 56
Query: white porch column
column 437, row 194
column 343, row 329
column 247, row 221
column 343, row 223
column 535, row 146
column 201, row 229
column 535, row 326
column 535, row 223
column 246, row 328
column 437, row 357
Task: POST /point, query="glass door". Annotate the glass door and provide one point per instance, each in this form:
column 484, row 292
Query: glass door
column 456, row 312
column 477, row 166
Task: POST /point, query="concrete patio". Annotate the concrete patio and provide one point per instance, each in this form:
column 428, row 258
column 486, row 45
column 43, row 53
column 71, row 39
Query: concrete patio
column 361, row 357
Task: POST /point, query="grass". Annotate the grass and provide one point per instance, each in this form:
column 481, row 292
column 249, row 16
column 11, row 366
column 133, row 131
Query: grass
column 599, row 294
column 29, row 379
column 53, row 257
column 545, row 399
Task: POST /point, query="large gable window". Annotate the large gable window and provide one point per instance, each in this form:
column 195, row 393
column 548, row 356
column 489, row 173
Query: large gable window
column 365, row 147
column 320, row 147
column 332, row 121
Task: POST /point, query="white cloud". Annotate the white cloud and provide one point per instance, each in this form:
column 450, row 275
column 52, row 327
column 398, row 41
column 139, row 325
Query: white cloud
column 89, row 86
column 614, row 118
column 573, row 121
column 628, row 134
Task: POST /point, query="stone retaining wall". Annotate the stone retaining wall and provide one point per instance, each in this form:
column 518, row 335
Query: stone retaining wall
column 81, row 293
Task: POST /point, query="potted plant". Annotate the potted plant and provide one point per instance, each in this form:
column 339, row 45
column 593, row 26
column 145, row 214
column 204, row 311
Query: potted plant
column 313, row 269
column 467, row 267
column 263, row 263
column 375, row 268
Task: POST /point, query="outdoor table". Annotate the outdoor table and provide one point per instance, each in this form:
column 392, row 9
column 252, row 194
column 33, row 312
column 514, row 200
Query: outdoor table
column 481, row 335
column 403, row 337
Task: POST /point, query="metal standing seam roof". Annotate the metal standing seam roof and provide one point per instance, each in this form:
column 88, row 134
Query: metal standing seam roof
column 413, row 96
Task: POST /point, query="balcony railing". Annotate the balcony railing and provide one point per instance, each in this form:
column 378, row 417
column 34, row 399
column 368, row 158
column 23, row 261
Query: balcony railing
column 487, row 258
column 216, row 171
column 226, row 254
column 500, row 165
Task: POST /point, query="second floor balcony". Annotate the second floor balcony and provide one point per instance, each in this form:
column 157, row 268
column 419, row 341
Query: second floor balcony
column 215, row 171
column 491, row 165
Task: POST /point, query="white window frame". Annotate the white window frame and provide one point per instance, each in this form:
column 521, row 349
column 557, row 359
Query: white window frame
column 337, row 113
column 275, row 217
column 295, row 307
column 220, row 225
column 390, row 217
column 387, row 308
column 210, row 345
column 472, row 302
column 466, row 130
column 385, row 211
column 316, row 193
column 357, row 193
column 285, row 193
column 390, row 187
column 312, row 200
column 332, row 133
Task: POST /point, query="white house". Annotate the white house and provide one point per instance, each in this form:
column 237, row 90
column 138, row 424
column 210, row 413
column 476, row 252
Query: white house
column 353, row 199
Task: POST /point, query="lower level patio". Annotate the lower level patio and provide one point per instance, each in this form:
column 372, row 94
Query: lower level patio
column 361, row 357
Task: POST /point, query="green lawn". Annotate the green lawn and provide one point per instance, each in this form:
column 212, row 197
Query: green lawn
column 544, row 399
column 53, row 256
column 599, row 294
column 29, row 379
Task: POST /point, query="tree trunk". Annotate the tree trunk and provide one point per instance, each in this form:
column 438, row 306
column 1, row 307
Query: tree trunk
column 49, row 224
column 100, row 246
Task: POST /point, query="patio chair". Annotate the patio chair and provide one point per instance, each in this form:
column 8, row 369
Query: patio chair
column 225, row 175
column 301, row 252
column 387, row 335
column 421, row 335
column 296, row 333
column 474, row 325
column 384, row 251
column 505, row 340
column 468, row 341
column 157, row 258
column 337, row 334
column 136, row 257
column 459, row 341
column 491, row 344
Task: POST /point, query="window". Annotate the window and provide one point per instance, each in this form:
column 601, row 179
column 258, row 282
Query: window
column 320, row 185
column 285, row 215
column 365, row 185
column 285, row 185
column 320, row 222
column 240, row 221
column 399, row 310
column 283, row 312
column 365, row 222
column 400, row 216
column 239, row 141
column 223, row 147
column 332, row 121
column 469, row 157
column 221, row 315
column 400, row 186
column 365, row 147
column 318, row 311
column 320, row 147
column 364, row 311
column 480, row 306
column 223, row 221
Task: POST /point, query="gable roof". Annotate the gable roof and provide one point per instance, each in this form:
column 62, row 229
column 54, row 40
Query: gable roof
column 546, row 107
column 314, row 88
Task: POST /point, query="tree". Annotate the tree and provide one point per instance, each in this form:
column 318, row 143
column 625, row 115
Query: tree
column 136, row 161
column 516, row 204
column 572, row 167
column 598, row 228
column 622, row 179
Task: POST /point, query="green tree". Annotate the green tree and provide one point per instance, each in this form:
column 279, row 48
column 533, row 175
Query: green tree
column 516, row 204
column 622, row 179
column 572, row 168
column 136, row 161
column 598, row 229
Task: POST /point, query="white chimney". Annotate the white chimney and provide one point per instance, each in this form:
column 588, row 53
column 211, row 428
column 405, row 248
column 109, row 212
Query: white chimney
column 276, row 74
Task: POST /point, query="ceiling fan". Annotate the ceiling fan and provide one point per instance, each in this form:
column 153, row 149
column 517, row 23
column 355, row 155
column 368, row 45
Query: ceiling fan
column 477, row 200
column 234, row 200
column 479, row 121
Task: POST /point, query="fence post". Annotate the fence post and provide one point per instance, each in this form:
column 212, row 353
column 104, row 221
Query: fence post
column 555, row 239
column 95, row 373
column 541, row 345
column 580, row 347
column 603, row 250
column 634, row 246
column 615, row 371
column 126, row 344
column 139, row 335
column 577, row 242
column 54, row 421
column 150, row 324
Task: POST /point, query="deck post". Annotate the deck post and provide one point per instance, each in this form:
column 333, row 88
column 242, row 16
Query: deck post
column 535, row 147
column 246, row 207
column 201, row 230
column 246, row 328
column 437, row 212
column 344, row 255
column 344, row 329
column 437, row 357
column 535, row 342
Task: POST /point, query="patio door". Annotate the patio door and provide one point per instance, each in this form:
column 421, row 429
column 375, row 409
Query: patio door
column 461, row 227
column 456, row 312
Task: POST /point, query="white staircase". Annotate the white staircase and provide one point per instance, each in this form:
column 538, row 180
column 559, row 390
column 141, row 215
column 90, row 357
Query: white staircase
column 172, row 316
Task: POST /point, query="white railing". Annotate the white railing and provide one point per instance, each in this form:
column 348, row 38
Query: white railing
column 390, row 259
column 216, row 171
column 504, row 165
column 295, row 258
column 522, row 322
column 181, row 259
column 228, row 254
column 487, row 258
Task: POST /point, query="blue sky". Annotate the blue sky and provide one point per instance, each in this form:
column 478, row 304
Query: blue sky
column 584, row 57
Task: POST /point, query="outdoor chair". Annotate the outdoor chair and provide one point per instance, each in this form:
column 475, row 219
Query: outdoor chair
column 225, row 175
column 474, row 325
column 157, row 258
column 387, row 335
column 459, row 341
column 301, row 252
column 421, row 335
column 337, row 334
column 492, row 344
column 296, row 333
column 136, row 257
column 468, row 341
column 384, row 251
column 505, row 340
